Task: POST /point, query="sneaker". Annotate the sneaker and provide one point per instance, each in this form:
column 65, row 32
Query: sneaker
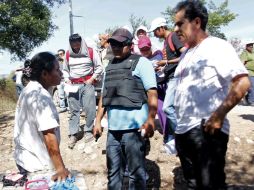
column 170, row 147
column 61, row 110
column 88, row 137
column 72, row 142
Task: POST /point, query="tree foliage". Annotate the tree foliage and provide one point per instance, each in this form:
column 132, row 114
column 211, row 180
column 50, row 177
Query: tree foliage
column 136, row 22
column 25, row 24
column 237, row 44
column 218, row 16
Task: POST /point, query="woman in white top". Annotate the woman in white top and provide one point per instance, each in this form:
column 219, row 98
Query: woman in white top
column 36, row 131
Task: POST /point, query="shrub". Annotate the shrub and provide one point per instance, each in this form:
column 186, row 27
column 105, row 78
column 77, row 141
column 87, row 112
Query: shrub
column 8, row 97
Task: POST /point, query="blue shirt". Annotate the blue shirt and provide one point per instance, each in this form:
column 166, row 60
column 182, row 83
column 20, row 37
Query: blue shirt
column 120, row 118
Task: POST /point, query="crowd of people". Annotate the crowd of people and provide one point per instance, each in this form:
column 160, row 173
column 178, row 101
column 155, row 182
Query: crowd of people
column 189, row 84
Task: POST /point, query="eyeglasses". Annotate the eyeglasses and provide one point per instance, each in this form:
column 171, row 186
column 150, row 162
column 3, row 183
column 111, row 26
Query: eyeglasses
column 118, row 44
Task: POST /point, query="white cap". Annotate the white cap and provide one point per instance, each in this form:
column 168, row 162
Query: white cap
column 158, row 22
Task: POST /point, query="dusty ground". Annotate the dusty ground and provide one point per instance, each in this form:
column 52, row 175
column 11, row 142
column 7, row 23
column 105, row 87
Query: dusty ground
column 164, row 170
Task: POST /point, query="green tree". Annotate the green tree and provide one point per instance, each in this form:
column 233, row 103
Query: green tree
column 25, row 24
column 136, row 22
column 218, row 16
column 237, row 44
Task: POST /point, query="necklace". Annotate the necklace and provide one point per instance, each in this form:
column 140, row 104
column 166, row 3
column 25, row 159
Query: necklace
column 184, row 66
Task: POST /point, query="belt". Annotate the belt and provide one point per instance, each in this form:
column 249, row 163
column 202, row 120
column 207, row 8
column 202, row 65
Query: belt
column 80, row 80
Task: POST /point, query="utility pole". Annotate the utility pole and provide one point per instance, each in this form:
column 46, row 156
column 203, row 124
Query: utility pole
column 71, row 17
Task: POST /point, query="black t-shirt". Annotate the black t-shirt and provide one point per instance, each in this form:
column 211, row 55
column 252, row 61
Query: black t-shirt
column 170, row 69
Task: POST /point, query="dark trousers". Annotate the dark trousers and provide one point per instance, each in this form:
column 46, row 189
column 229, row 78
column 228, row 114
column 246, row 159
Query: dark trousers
column 202, row 158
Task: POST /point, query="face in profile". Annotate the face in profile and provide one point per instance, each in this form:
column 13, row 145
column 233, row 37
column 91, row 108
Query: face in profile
column 186, row 30
column 54, row 76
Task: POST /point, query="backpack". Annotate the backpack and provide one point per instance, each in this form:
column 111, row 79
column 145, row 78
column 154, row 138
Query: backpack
column 90, row 52
column 168, row 68
column 170, row 43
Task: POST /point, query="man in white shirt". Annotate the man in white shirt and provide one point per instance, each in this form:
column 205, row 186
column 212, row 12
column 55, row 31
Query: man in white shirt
column 211, row 80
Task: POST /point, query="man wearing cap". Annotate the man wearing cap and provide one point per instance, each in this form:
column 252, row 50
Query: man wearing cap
column 130, row 98
column 173, row 48
column 247, row 57
column 80, row 70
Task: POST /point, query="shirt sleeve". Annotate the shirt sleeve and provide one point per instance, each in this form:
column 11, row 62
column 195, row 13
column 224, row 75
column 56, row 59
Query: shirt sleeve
column 45, row 113
column 66, row 70
column 228, row 62
column 243, row 56
column 97, row 65
column 145, row 71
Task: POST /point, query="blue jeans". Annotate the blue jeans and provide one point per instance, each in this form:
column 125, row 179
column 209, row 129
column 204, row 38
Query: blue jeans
column 126, row 148
column 85, row 96
column 250, row 95
column 61, row 95
column 168, row 105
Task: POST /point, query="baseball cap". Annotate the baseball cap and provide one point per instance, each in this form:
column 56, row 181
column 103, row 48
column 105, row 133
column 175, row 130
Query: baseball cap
column 121, row 35
column 158, row 22
column 144, row 41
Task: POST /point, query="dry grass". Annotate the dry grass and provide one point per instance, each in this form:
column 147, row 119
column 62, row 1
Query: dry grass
column 8, row 96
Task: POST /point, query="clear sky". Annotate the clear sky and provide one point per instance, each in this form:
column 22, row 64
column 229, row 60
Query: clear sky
column 98, row 15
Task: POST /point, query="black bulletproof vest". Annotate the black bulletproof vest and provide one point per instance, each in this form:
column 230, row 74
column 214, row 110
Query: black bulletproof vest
column 120, row 87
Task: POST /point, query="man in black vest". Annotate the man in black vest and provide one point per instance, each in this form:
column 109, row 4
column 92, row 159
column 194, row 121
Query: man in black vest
column 130, row 98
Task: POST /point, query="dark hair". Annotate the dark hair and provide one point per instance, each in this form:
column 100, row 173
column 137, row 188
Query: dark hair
column 75, row 38
column 41, row 61
column 61, row 50
column 26, row 72
column 193, row 9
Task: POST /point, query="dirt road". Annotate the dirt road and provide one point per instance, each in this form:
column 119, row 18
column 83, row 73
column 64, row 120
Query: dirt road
column 164, row 171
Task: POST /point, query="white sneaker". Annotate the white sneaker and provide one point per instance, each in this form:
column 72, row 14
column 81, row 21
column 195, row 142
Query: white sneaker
column 170, row 147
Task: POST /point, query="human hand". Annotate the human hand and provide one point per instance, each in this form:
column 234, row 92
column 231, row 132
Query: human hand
column 61, row 175
column 97, row 131
column 214, row 123
column 89, row 81
column 68, row 81
column 162, row 62
column 147, row 129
